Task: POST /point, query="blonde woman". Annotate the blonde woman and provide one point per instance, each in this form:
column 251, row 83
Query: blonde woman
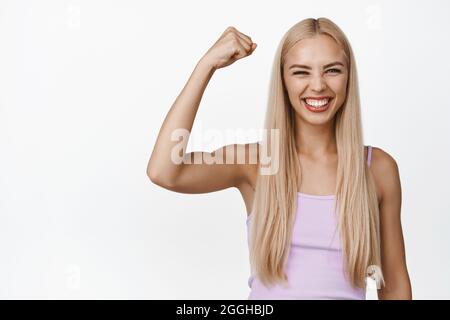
column 329, row 215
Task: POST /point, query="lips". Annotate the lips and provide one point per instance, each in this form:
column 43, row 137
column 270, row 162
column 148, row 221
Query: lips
column 317, row 104
column 318, row 98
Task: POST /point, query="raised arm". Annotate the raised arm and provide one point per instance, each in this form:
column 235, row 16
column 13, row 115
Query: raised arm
column 164, row 167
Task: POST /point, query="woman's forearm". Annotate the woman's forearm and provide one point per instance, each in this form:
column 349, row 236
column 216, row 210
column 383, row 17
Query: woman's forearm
column 181, row 115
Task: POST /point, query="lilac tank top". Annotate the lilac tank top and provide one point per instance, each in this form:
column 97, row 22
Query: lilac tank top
column 315, row 263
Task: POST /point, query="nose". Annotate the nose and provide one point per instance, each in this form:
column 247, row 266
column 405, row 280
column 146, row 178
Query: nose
column 317, row 83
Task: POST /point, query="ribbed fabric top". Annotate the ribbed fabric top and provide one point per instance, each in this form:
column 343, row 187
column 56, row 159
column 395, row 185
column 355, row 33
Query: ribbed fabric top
column 315, row 263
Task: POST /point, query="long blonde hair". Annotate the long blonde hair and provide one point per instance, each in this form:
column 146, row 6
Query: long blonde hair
column 275, row 200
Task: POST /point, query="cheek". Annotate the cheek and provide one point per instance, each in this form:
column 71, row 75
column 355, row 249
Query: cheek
column 296, row 87
column 339, row 86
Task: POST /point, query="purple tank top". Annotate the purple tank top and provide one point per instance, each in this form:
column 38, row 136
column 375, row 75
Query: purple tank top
column 315, row 263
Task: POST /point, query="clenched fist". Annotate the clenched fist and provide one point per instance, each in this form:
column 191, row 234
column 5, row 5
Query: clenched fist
column 231, row 46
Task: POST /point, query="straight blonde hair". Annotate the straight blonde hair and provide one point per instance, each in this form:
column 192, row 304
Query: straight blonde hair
column 275, row 201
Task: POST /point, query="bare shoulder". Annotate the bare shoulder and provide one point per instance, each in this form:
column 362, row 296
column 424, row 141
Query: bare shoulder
column 249, row 167
column 249, row 173
column 386, row 173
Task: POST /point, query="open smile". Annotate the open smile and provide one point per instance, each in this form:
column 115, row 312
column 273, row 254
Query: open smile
column 319, row 104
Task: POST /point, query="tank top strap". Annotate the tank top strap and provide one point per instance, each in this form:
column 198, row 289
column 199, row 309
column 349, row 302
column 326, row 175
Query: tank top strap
column 369, row 155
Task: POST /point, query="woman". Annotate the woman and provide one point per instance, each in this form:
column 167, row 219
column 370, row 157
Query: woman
column 329, row 215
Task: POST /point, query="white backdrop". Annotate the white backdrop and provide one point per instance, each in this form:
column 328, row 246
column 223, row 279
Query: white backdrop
column 85, row 86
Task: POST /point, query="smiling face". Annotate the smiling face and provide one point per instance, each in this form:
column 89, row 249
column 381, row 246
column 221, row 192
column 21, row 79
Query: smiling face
column 315, row 74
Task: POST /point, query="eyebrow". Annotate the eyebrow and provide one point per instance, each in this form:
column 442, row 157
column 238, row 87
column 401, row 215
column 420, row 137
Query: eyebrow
column 309, row 68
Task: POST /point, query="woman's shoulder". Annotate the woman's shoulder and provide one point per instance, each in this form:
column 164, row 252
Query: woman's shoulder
column 248, row 172
column 385, row 169
column 251, row 162
column 382, row 160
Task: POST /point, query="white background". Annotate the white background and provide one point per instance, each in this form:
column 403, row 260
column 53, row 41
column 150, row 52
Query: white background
column 85, row 86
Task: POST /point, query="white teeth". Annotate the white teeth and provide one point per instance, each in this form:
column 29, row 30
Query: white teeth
column 317, row 103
